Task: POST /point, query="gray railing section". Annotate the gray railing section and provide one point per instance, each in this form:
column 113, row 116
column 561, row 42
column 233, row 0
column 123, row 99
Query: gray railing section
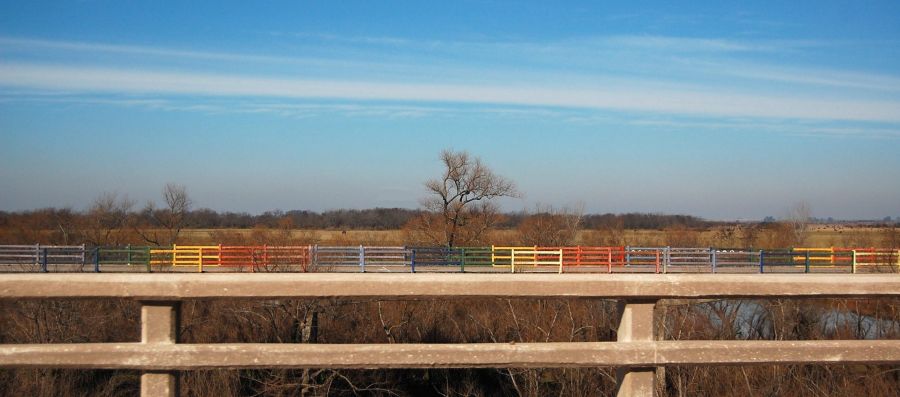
column 44, row 257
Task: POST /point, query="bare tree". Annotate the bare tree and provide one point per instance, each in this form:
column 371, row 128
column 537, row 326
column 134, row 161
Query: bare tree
column 458, row 204
column 106, row 218
column 799, row 216
column 66, row 222
column 166, row 223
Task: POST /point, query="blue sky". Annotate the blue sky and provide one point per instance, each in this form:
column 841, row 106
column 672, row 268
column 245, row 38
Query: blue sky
column 727, row 110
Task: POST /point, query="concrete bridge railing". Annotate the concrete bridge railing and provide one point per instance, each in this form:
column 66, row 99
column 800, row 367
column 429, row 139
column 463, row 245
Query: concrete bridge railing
column 636, row 351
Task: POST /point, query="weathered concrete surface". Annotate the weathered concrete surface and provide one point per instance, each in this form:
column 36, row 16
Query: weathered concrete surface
column 156, row 384
column 159, row 321
column 159, row 326
column 164, row 356
column 411, row 286
column 636, row 325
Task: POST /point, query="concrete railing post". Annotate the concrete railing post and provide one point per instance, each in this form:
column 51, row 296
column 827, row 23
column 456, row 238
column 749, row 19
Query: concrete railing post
column 636, row 325
column 159, row 325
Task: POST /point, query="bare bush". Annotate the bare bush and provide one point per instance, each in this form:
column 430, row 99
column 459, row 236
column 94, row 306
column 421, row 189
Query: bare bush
column 548, row 226
column 165, row 224
column 107, row 219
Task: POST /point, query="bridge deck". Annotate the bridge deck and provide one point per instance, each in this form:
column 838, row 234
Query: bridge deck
column 177, row 286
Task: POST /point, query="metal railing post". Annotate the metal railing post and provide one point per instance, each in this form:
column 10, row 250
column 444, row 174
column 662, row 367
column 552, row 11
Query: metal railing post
column 362, row 259
column 853, row 263
column 462, row 259
column 149, row 261
column 159, row 326
column 657, row 261
column 609, row 262
column 713, row 259
column 560, row 261
column 666, row 257
column 636, row 324
column 97, row 260
column 412, row 261
column 310, row 256
column 44, row 260
column 761, row 270
column 807, row 261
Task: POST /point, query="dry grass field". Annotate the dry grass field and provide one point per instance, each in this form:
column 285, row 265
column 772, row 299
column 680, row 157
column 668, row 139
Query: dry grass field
column 818, row 236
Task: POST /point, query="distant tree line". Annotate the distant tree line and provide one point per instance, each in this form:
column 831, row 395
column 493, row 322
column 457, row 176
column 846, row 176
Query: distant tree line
column 644, row 221
column 363, row 219
column 344, row 219
column 632, row 220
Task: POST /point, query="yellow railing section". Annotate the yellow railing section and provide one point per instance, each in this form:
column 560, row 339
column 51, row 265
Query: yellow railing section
column 186, row 256
column 821, row 257
column 875, row 257
column 525, row 256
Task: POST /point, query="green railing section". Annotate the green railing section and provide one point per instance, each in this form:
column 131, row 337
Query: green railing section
column 473, row 257
column 130, row 255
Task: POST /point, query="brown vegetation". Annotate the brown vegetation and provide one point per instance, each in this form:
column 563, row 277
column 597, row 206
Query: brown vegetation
column 455, row 321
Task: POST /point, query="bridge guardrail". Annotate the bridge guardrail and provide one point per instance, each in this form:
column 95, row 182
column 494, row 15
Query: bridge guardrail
column 561, row 259
column 636, row 350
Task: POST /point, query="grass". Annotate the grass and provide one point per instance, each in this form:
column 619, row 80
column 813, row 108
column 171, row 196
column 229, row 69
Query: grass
column 819, row 236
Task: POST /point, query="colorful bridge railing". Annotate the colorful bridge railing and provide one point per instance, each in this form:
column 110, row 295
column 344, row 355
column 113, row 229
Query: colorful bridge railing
column 127, row 256
column 441, row 257
column 41, row 257
column 524, row 257
column 570, row 259
column 253, row 258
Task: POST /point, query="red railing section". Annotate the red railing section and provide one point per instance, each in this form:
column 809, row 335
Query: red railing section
column 261, row 257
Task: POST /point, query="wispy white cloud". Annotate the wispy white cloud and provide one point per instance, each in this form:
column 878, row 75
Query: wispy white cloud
column 639, row 42
column 523, row 79
column 670, row 59
column 795, row 75
column 623, row 98
column 286, row 108
column 693, row 44
column 799, row 128
column 87, row 47
column 385, row 110
column 379, row 40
